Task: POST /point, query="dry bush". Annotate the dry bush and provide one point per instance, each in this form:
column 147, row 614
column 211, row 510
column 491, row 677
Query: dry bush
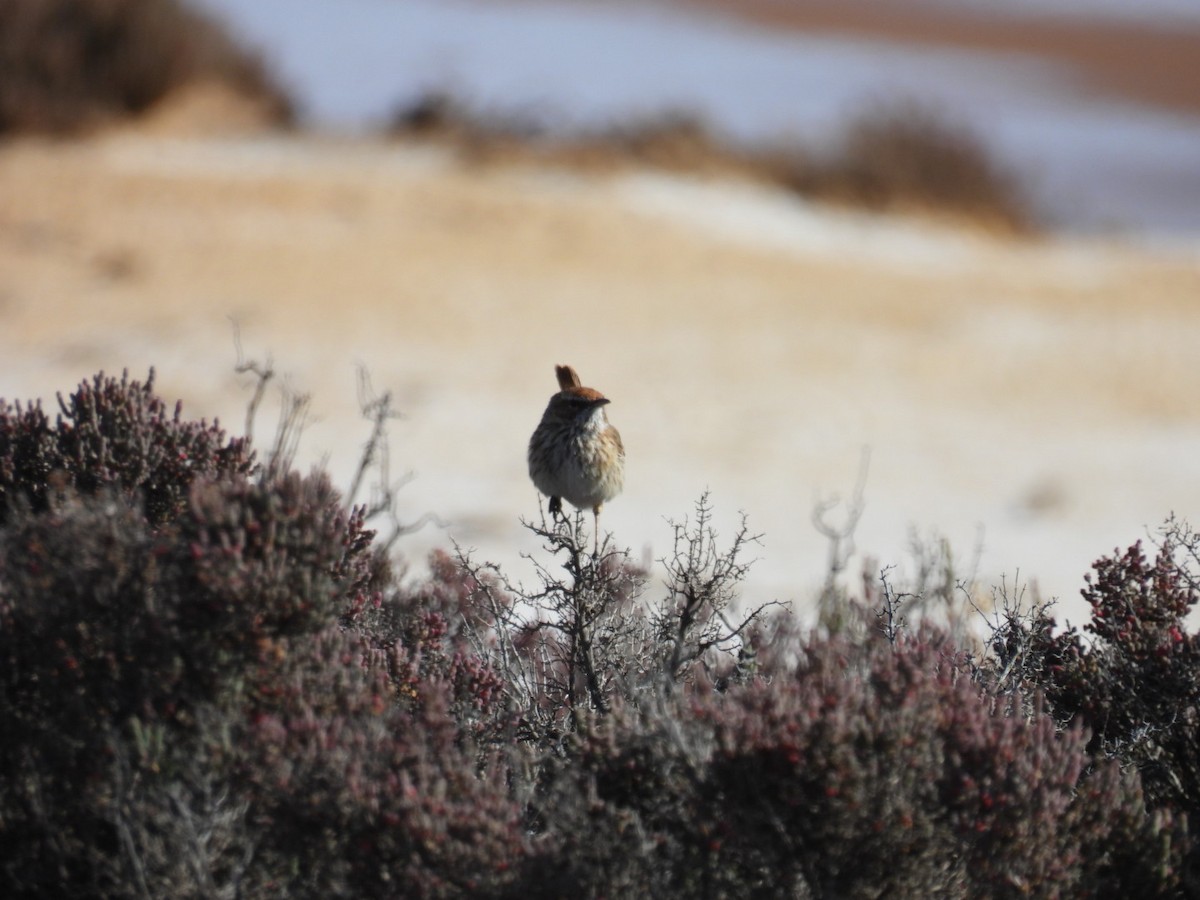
column 67, row 65
column 905, row 158
column 676, row 140
column 911, row 158
column 212, row 685
column 1133, row 676
column 586, row 638
column 116, row 435
column 846, row 769
column 192, row 706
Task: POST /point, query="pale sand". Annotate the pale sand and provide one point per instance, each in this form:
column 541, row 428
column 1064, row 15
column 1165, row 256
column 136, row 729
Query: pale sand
column 751, row 344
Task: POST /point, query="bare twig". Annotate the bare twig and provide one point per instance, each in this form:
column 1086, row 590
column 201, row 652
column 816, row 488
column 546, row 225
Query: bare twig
column 263, row 374
column 376, row 455
column 702, row 584
column 840, row 538
column 293, row 418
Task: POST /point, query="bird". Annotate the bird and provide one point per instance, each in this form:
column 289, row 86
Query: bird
column 575, row 453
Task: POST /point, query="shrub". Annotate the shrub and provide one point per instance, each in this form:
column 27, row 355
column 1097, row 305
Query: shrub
column 420, row 634
column 586, row 638
column 912, row 158
column 1133, row 677
column 66, row 65
column 867, row 769
column 213, row 686
column 173, row 677
column 903, row 158
column 119, row 641
column 111, row 434
column 356, row 795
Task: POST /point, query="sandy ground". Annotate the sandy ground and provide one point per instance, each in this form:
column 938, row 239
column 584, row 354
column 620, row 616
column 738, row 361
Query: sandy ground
column 1034, row 399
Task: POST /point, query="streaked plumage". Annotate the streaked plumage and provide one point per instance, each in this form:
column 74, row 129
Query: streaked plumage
column 575, row 454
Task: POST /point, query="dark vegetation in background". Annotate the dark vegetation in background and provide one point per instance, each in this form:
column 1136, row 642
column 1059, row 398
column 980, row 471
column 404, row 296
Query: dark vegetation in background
column 68, row 65
column 909, row 157
column 213, row 684
column 903, row 158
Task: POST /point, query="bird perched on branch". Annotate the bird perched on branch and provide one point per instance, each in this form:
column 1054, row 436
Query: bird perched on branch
column 575, row 454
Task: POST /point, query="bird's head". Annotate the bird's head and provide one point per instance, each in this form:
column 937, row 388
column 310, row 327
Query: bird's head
column 576, row 403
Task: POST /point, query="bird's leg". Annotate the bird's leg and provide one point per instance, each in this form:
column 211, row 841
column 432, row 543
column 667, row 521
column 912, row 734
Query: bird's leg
column 556, row 512
column 596, row 531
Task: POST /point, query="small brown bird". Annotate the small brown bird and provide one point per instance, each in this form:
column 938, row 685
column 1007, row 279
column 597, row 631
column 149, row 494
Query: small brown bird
column 574, row 452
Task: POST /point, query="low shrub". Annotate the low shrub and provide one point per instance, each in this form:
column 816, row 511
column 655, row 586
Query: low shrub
column 357, row 795
column 1132, row 678
column 67, row 65
column 213, row 685
column 906, row 158
column 864, row 770
column 910, row 158
column 115, row 435
column 185, row 716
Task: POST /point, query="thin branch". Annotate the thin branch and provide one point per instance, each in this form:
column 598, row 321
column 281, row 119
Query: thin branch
column 263, row 374
column 376, row 455
column 841, row 537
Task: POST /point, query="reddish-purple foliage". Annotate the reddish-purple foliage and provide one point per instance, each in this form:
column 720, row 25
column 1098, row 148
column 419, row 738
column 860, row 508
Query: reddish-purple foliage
column 163, row 665
column 213, row 685
column 869, row 770
column 1140, row 606
column 258, row 561
column 203, row 658
column 115, row 434
column 370, row 797
column 420, row 634
column 1136, row 685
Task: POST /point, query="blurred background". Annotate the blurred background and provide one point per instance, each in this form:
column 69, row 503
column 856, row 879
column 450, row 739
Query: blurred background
column 945, row 253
